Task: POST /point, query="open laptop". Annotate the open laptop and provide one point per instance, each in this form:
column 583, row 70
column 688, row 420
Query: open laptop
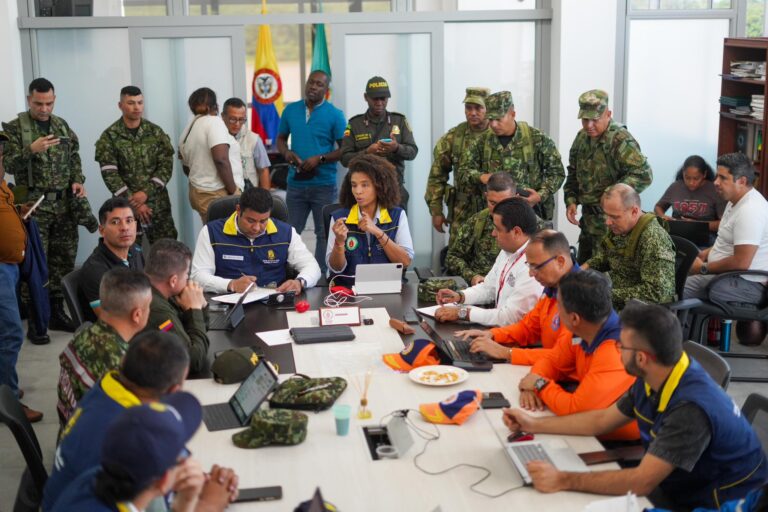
column 456, row 352
column 378, row 278
column 693, row 230
column 249, row 396
column 220, row 321
column 520, row 453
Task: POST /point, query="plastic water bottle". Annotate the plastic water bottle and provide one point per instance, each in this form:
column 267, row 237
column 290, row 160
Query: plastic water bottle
column 725, row 335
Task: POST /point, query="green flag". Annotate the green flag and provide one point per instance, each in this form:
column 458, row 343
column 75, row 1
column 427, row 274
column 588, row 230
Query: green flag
column 320, row 60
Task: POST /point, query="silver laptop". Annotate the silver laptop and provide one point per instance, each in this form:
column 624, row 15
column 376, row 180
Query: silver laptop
column 557, row 452
column 378, row 278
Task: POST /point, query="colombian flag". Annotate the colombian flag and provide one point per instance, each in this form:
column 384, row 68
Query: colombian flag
column 267, row 88
column 320, row 60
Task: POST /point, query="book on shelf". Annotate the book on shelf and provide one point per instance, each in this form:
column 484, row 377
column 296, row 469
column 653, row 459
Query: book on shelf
column 748, row 69
column 749, row 140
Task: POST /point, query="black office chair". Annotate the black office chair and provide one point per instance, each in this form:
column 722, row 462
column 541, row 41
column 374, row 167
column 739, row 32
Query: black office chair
column 755, row 410
column 30, row 493
column 716, row 366
column 70, row 284
column 279, row 208
column 327, row 211
column 222, row 207
column 279, row 175
column 686, row 253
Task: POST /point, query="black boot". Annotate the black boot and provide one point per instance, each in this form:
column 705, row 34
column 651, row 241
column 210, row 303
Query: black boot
column 59, row 319
column 35, row 337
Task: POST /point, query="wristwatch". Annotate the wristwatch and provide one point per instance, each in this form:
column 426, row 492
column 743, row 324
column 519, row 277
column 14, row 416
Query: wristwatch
column 540, row 384
column 463, row 313
column 302, row 282
column 704, row 270
column 323, row 159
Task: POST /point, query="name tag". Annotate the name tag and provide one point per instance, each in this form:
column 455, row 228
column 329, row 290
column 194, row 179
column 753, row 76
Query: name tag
column 232, row 257
column 362, row 136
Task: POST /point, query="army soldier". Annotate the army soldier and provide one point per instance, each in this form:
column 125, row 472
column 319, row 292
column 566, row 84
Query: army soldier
column 381, row 133
column 523, row 151
column 136, row 159
column 637, row 253
column 603, row 154
column 464, row 198
column 42, row 154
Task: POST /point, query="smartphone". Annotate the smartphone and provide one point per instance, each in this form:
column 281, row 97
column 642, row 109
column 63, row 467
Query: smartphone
column 523, row 193
column 410, row 317
column 385, row 140
column 260, row 494
column 64, row 140
column 520, row 436
column 494, row 400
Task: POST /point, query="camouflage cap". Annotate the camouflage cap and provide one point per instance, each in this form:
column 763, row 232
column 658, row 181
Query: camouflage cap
column 476, row 95
column 592, row 104
column 497, row 104
column 234, row 365
column 273, row 426
column 81, row 211
column 377, row 87
column 429, row 287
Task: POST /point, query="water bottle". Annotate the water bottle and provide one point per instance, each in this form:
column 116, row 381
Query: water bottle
column 725, row 335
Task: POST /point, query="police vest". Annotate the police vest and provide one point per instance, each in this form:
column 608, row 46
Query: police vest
column 265, row 257
column 361, row 247
column 732, row 464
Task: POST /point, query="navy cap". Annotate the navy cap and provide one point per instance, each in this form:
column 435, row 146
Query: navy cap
column 146, row 441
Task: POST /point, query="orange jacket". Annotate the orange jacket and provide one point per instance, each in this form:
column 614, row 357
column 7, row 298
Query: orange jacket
column 541, row 324
column 598, row 370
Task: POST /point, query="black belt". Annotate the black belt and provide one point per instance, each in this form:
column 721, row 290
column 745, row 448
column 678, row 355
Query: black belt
column 53, row 195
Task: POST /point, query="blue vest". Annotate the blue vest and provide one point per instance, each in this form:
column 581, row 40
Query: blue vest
column 266, row 257
column 361, row 247
column 732, row 465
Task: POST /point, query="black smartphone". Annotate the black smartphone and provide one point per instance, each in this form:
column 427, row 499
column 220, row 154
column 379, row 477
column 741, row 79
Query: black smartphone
column 523, row 193
column 260, row 494
column 63, row 140
column 494, row 400
column 410, row 316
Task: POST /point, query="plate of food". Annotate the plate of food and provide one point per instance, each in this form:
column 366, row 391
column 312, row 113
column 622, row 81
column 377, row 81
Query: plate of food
column 438, row 375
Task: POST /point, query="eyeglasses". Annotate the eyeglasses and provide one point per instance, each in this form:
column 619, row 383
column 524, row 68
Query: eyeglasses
column 620, row 347
column 237, row 120
column 536, row 268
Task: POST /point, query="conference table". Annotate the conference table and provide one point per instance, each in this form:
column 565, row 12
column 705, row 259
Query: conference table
column 342, row 466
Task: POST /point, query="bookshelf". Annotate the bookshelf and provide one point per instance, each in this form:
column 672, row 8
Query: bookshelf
column 744, row 133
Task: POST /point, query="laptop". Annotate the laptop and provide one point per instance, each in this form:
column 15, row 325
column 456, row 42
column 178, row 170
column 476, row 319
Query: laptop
column 695, row 231
column 378, row 278
column 456, row 352
column 249, row 396
column 520, row 453
column 220, row 321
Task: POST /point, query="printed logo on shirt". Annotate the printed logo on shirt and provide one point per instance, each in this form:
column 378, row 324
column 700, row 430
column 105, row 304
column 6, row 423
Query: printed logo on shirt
column 232, row 257
column 555, row 322
column 352, row 243
column 271, row 254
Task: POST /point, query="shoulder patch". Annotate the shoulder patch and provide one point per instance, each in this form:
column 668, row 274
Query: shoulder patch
column 166, row 326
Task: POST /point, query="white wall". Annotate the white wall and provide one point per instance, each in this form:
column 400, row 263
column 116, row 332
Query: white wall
column 583, row 58
column 12, row 82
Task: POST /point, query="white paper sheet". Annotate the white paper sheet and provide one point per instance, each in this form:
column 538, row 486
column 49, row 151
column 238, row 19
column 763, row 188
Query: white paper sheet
column 278, row 337
column 255, row 294
column 430, row 310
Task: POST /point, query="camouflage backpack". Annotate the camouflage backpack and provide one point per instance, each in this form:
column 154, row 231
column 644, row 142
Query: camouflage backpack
column 429, row 287
column 307, row 394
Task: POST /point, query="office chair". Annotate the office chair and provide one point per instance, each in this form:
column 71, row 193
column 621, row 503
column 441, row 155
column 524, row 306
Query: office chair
column 70, row 284
column 755, row 410
column 279, row 208
column 30, row 493
column 716, row 366
column 222, row 207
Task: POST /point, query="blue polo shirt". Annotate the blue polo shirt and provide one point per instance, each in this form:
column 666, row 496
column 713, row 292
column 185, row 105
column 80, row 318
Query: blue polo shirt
column 316, row 135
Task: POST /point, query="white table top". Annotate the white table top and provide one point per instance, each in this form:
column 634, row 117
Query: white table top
column 342, row 466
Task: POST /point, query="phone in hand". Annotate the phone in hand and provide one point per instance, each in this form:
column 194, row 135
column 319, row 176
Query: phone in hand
column 260, row 494
column 385, row 140
column 64, row 140
column 520, row 436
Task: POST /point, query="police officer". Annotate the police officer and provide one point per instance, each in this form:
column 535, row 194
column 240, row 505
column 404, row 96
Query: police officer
column 603, row 154
column 379, row 132
column 525, row 152
column 42, row 154
column 136, row 159
column 464, row 198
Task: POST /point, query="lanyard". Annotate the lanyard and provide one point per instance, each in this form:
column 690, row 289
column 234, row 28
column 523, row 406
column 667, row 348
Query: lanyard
column 505, row 273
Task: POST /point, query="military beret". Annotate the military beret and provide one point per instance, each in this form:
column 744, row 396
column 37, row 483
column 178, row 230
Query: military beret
column 476, row 95
column 273, row 426
column 377, row 87
column 234, row 365
column 498, row 104
column 592, row 104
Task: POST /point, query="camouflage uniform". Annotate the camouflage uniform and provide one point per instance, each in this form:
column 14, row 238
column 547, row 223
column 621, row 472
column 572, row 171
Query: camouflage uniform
column 140, row 162
column 474, row 251
column 465, row 197
column 273, row 426
column 188, row 325
column 51, row 173
column 594, row 165
column 531, row 157
column 91, row 353
column 641, row 263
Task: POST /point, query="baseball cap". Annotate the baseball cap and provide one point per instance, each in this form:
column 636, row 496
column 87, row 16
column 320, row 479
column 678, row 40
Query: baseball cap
column 498, row 104
column 273, row 426
column 147, row 440
column 476, row 95
column 417, row 353
column 592, row 104
column 234, row 365
column 455, row 409
column 377, row 87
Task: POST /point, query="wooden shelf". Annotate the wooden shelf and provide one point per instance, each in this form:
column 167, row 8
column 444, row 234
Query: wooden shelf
column 750, row 81
column 742, row 119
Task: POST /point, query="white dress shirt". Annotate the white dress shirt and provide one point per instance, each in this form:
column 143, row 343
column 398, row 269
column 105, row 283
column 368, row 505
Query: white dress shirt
column 509, row 286
column 204, row 262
